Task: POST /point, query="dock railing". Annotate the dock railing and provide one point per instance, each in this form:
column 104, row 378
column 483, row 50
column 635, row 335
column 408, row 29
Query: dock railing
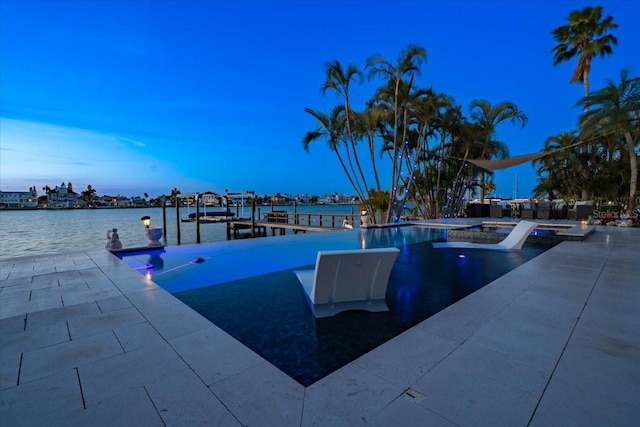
column 332, row 220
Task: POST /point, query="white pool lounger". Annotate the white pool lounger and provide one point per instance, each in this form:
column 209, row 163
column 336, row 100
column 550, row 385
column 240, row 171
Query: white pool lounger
column 348, row 280
column 513, row 241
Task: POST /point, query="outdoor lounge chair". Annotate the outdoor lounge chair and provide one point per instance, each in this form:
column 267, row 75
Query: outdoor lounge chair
column 528, row 210
column 544, row 210
column 514, row 240
column 499, row 210
column 348, row 280
column 582, row 210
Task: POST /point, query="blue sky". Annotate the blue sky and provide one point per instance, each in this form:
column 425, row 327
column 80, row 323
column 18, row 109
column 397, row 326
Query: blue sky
column 144, row 96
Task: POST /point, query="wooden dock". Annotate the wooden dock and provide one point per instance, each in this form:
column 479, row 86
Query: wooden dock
column 260, row 227
column 280, row 221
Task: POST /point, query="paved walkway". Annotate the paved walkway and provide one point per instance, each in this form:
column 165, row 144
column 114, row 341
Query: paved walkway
column 85, row 340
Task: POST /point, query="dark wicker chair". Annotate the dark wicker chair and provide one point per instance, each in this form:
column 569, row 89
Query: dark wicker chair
column 499, row 211
column 582, row 210
column 559, row 210
column 528, row 210
column 544, row 210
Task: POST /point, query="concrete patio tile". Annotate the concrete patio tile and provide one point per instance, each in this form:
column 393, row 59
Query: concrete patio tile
column 14, row 340
column 113, row 303
column 461, row 320
column 213, row 354
column 20, row 308
column 9, row 368
column 617, row 361
column 183, row 400
column 62, row 314
column 20, row 338
column 524, row 334
column 131, row 407
column 523, row 370
column 139, row 335
column 151, row 298
column 49, row 360
column 104, row 322
column 58, row 278
column 47, row 401
column 471, row 398
column 262, row 395
column 406, row 411
column 104, row 379
column 347, row 397
column 568, row 405
column 130, row 281
column 549, row 305
column 163, row 319
column 7, row 283
column 407, row 357
column 14, row 295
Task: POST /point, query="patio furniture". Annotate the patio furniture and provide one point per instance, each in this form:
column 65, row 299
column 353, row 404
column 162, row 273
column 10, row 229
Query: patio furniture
column 499, row 210
column 513, row 241
column 543, row 211
column 559, row 210
column 528, row 210
column 477, row 210
column 348, row 280
column 581, row 210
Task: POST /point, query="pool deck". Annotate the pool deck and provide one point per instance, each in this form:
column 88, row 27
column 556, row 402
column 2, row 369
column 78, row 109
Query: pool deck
column 86, row 340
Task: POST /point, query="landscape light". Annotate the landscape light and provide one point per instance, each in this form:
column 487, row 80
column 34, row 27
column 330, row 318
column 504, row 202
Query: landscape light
column 146, row 221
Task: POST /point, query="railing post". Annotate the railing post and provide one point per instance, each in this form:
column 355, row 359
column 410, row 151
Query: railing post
column 176, row 202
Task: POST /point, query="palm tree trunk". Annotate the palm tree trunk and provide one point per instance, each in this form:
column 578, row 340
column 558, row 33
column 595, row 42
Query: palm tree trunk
column 633, row 160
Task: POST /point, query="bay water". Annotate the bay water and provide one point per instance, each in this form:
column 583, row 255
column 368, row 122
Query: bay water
column 43, row 231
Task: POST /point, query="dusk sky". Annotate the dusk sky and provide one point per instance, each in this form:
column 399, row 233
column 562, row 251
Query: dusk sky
column 137, row 97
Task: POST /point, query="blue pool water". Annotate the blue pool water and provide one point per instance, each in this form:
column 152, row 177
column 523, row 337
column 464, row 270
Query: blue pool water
column 248, row 288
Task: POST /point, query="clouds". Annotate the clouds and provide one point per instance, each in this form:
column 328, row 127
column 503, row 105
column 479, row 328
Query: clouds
column 45, row 154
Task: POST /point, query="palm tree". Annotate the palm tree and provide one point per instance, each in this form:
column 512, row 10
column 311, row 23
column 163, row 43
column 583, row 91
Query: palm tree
column 339, row 80
column 408, row 65
column 617, row 109
column 331, row 127
column 560, row 172
column 584, row 36
column 488, row 117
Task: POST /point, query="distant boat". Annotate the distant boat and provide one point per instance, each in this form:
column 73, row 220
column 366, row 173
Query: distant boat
column 206, row 217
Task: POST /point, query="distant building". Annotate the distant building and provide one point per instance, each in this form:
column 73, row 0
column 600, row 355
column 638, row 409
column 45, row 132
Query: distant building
column 138, row 202
column 61, row 197
column 18, row 200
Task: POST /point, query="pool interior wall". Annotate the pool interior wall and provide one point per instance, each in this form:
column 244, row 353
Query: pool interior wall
column 269, row 312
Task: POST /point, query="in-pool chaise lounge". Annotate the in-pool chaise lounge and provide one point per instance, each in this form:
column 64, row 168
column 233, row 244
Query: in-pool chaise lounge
column 514, row 240
column 348, row 280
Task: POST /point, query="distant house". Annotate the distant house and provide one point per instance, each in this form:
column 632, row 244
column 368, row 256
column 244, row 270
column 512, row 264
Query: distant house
column 61, row 197
column 138, row 202
column 18, row 200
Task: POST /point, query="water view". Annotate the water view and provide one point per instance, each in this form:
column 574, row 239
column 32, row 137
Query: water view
column 36, row 232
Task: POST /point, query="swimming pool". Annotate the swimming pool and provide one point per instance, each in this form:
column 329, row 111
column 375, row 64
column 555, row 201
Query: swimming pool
column 248, row 288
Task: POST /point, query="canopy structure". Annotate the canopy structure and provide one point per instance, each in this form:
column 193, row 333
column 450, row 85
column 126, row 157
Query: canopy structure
column 498, row 164
column 492, row 165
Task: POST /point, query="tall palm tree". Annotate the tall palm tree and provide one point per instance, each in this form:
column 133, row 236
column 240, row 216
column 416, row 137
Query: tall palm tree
column 584, row 36
column 407, row 65
column 367, row 126
column 616, row 107
column 488, row 117
column 339, row 79
column 331, row 127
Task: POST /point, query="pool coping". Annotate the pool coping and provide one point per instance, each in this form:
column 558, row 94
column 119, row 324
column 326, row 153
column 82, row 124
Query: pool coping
column 515, row 352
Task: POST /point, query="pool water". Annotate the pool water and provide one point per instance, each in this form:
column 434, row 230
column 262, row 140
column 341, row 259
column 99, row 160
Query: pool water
column 251, row 292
